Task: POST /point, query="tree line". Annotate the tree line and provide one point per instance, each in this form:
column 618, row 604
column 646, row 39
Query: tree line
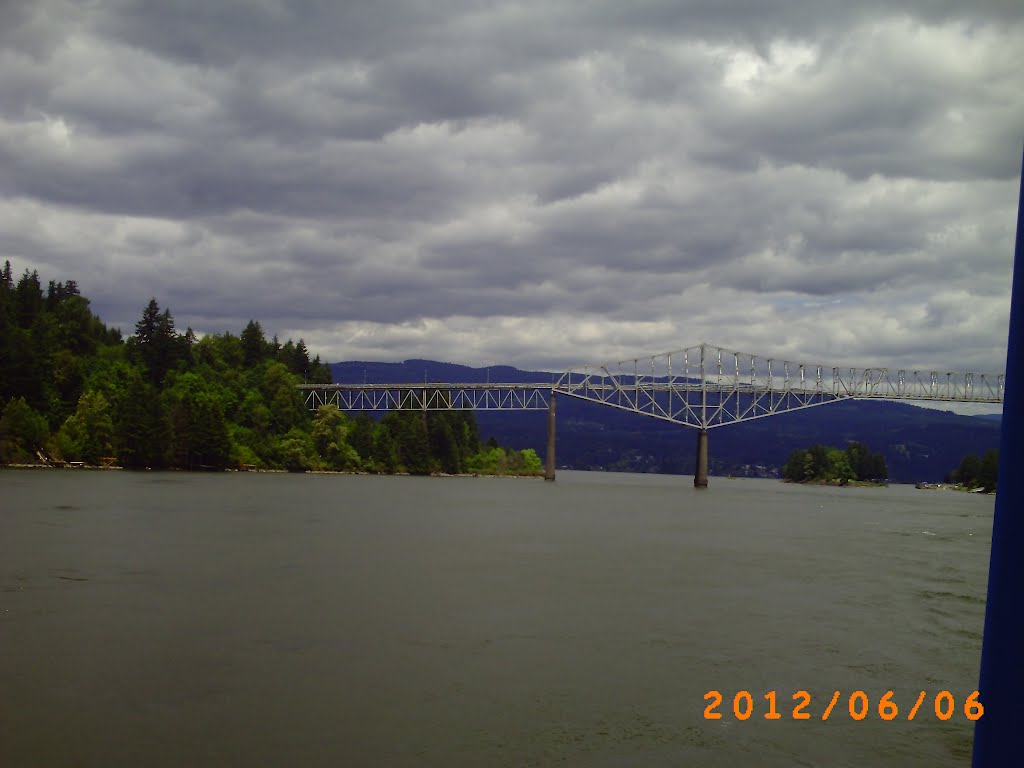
column 977, row 472
column 73, row 390
column 825, row 463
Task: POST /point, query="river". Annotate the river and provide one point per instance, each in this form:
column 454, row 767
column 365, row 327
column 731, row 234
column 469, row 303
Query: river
column 172, row 619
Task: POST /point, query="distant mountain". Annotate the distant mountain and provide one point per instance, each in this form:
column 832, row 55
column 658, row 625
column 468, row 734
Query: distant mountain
column 996, row 417
column 919, row 444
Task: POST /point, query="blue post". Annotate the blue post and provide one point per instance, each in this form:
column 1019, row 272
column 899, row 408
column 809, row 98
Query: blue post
column 997, row 735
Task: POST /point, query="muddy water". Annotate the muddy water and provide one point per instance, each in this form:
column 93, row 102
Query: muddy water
column 207, row 620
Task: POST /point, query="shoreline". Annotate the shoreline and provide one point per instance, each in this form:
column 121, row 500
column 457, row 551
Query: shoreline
column 95, row 467
column 839, row 484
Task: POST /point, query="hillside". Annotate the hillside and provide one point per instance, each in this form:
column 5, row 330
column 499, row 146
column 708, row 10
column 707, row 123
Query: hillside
column 919, row 444
column 74, row 392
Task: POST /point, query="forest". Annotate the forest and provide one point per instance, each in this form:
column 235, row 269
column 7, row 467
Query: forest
column 73, row 390
column 822, row 463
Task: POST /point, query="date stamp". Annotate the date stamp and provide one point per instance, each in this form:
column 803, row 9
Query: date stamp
column 858, row 705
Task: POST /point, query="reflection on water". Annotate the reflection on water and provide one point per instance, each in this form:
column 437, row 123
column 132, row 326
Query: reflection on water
column 172, row 619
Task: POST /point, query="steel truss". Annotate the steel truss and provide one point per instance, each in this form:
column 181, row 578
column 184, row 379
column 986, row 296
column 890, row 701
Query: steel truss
column 706, row 386
column 431, row 397
column 702, row 386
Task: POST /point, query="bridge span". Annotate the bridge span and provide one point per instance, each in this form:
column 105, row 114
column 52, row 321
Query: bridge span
column 702, row 386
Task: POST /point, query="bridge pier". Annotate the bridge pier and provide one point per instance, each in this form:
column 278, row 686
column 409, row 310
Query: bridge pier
column 549, row 458
column 700, row 473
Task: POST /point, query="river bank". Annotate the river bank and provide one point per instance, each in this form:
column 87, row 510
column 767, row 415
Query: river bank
column 80, row 466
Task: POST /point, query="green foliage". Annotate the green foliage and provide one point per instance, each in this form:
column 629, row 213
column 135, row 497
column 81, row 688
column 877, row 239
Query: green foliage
column 975, row 472
column 277, row 387
column 408, row 430
column 825, row 463
column 155, row 344
column 361, row 436
column 329, row 433
column 86, row 435
column 22, row 432
column 531, row 461
column 196, row 428
column 254, row 345
column 296, row 451
column 164, row 399
column 139, row 426
column 504, row 461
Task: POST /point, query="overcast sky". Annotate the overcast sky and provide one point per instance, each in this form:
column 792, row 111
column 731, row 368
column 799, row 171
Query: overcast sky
column 534, row 183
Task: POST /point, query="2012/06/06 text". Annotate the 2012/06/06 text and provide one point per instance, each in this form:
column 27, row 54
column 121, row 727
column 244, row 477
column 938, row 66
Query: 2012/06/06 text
column 858, row 705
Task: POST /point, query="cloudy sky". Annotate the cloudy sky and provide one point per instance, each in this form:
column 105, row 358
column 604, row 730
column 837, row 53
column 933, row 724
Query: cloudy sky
column 534, row 183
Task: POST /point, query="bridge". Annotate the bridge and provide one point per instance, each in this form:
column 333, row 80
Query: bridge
column 701, row 386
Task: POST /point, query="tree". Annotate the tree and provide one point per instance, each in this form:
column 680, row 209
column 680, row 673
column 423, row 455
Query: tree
column 197, row 430
column 820, row 462
column 837, row 467
column 254, row 344
column 156, row 345
column 795, row 468
column 531, row 461
column 444, row 446
column 86, row 434
column 139, row 432
column 287, row 409
column 296, row 451
column 76, row 326
column 296, row 358
column 320, row 373
column 361, row 438
column 330, row 429
column 385, row 449
column 409, row 434
column 988, row 471
column 22, row 432
column 968, row 471
column 28, row 299
column 865, row 464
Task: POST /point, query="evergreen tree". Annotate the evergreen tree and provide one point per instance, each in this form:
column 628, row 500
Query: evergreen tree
column 320, row 373
column 28, row 299
column 197, row 429
column 385, row 449
column 155, row 344
column 254, row 344
column 444, row 446
column 360, row 437
column 139, row 425
column 409, row 434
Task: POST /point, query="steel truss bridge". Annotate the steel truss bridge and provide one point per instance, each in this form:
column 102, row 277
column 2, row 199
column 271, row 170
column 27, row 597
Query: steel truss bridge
column 702, row 386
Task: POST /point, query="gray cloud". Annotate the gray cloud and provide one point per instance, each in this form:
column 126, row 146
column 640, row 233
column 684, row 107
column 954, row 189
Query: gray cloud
column 538, row 184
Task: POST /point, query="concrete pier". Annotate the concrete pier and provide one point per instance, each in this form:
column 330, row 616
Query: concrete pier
column 700, row 473
column 549, row 459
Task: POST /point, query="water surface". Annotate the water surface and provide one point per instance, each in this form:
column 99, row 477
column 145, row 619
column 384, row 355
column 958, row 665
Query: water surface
column 170, row 619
